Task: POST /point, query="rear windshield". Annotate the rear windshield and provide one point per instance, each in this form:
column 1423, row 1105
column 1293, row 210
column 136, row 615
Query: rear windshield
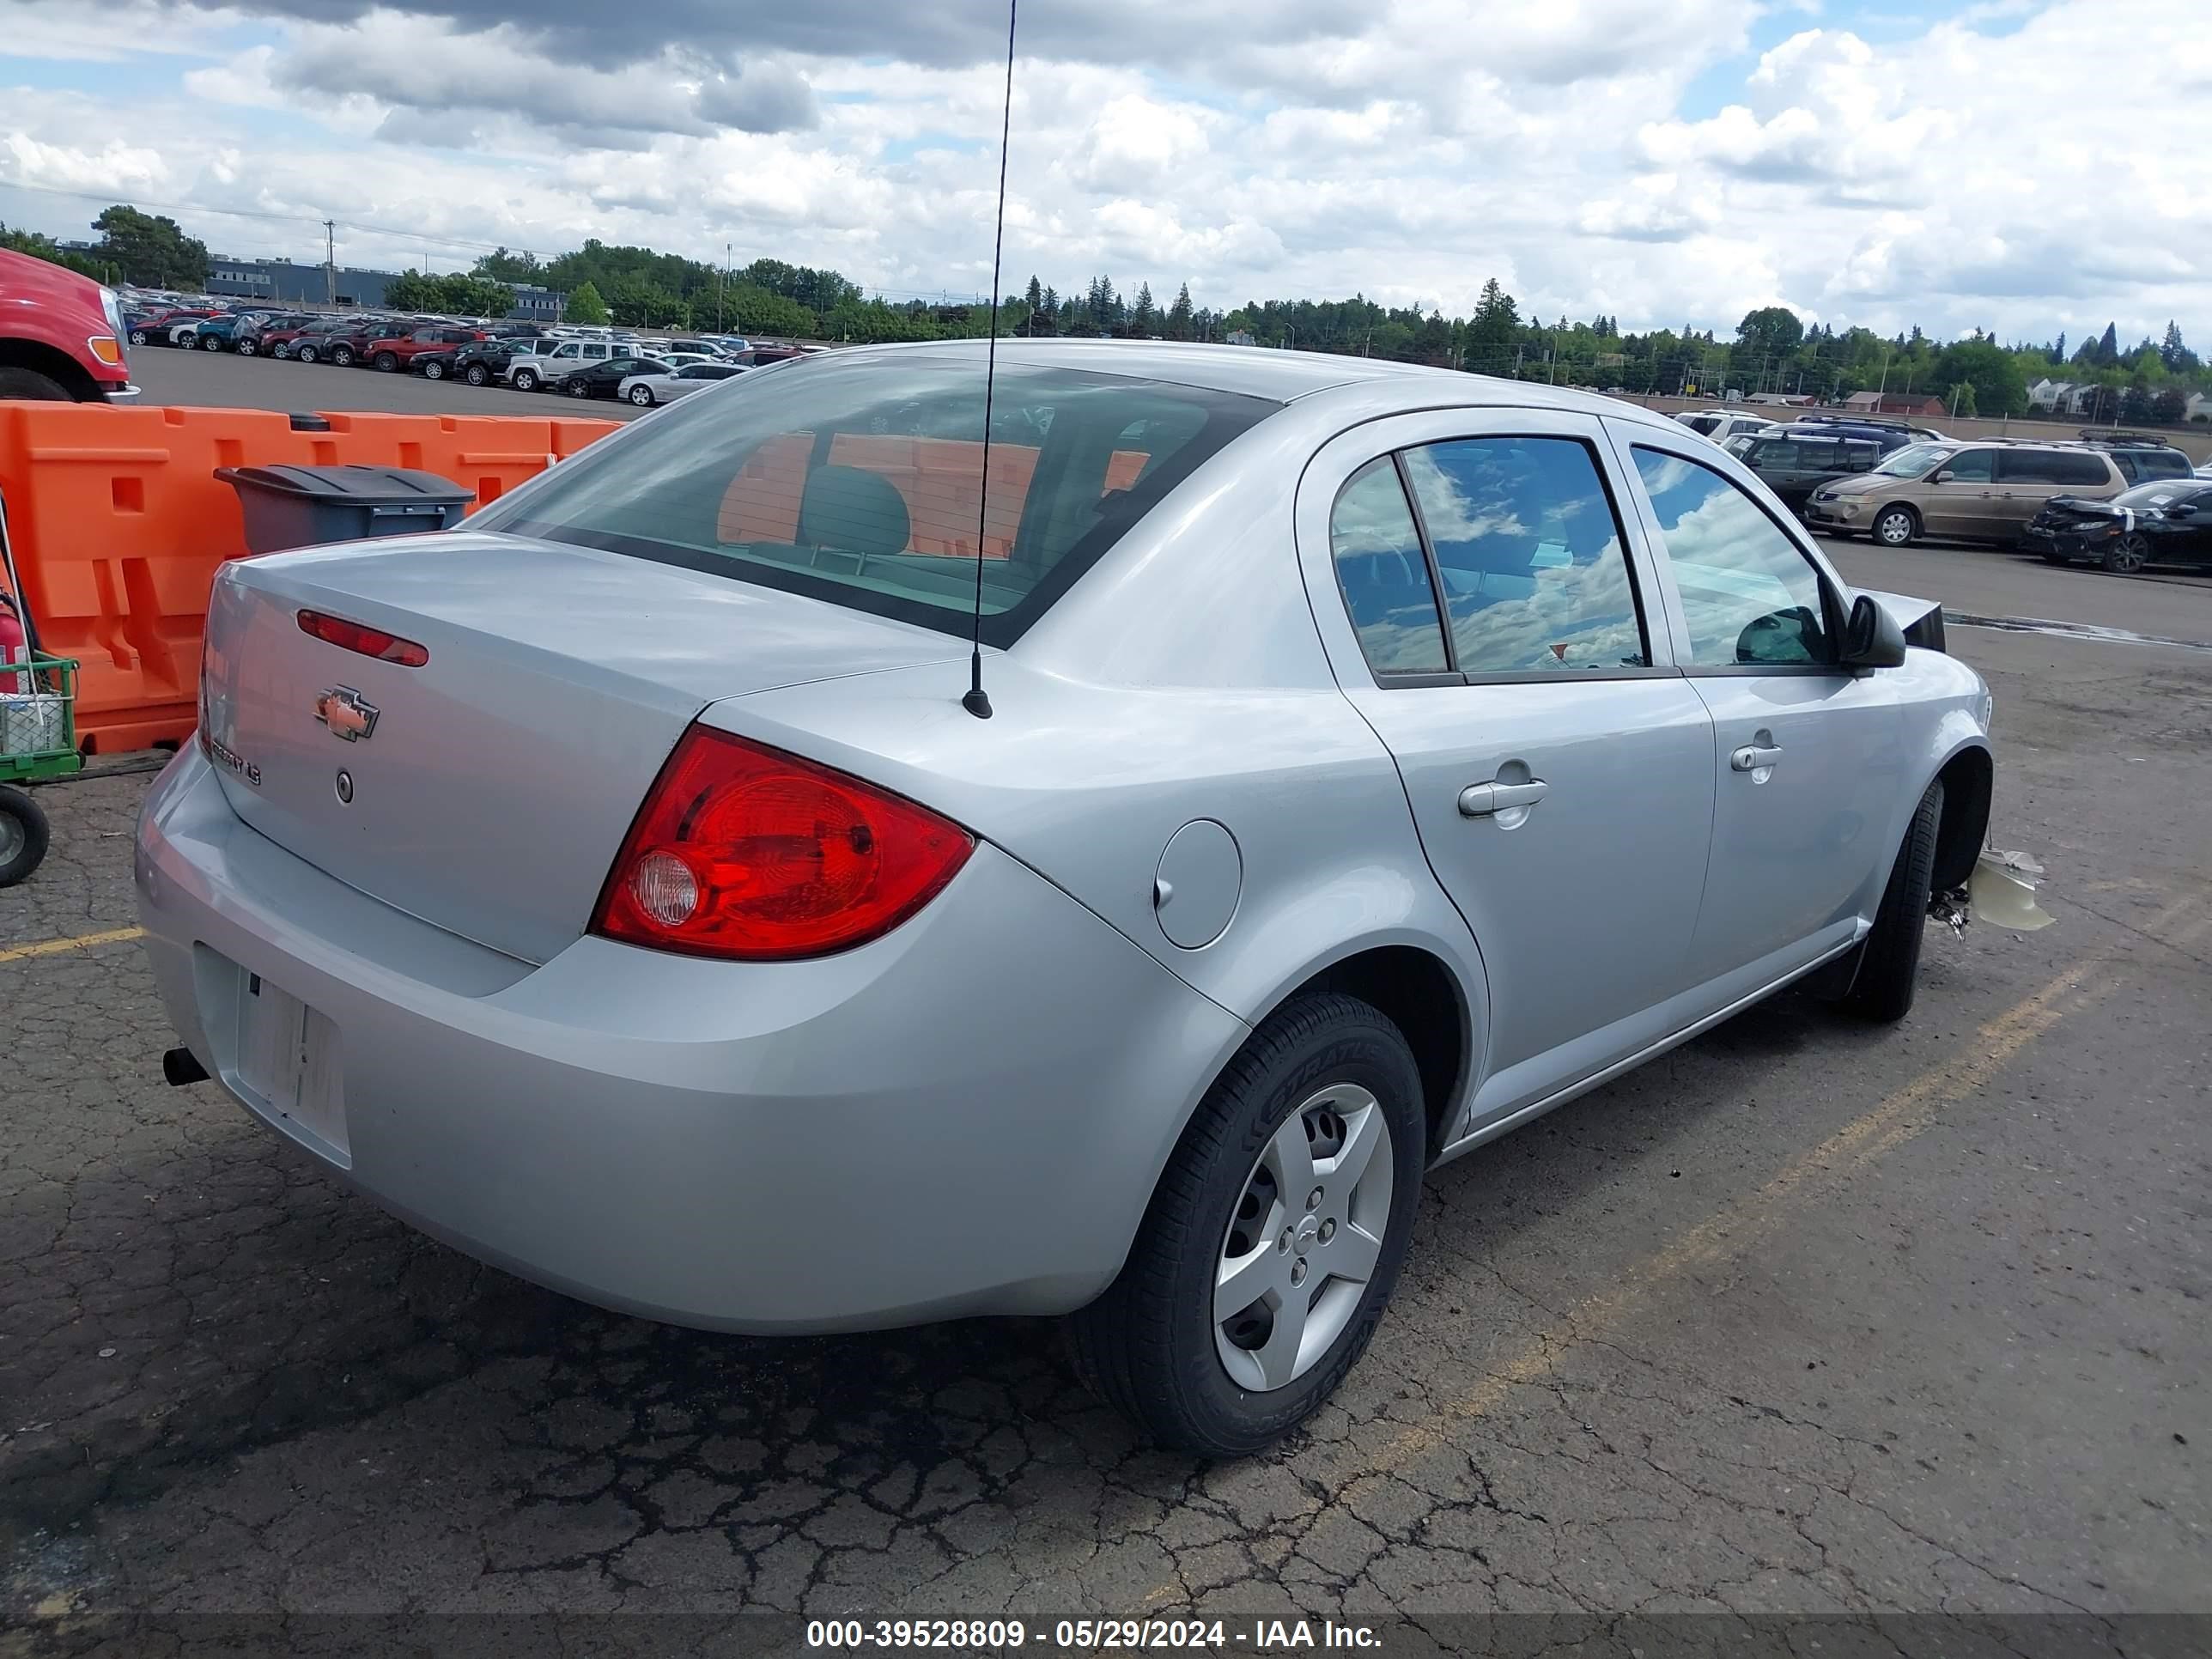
column 860, row 482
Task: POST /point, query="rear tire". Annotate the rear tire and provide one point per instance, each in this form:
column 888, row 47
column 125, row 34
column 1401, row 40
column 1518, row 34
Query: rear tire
column 246, row 349
column 1155, row 1346
column 210, row 342
column 576, row 387
column 342, row 356
column 31, row 387
column 525, row 380
column 307, row 354
column 137, row 337
column 383, row 363
column 477, row 374
column 1889, row 959
column 434, row 371
column 23, row 836
column 642, row 396
column 1895, row 526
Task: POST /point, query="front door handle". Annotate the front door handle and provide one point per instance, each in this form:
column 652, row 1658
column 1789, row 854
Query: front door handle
column 1752, row 757
column 1485, row 800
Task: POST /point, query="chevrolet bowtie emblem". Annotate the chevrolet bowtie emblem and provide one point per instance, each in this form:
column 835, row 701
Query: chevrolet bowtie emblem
column 347, row 712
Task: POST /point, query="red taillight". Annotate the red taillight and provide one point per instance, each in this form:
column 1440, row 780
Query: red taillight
column 369, row 641
column 748, row 853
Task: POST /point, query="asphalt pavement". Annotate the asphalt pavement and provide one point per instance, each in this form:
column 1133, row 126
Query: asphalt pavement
column 1804, row 1318
column 222, row 379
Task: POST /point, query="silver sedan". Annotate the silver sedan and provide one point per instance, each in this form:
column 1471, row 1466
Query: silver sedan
column 679, row 381
column 781, row 870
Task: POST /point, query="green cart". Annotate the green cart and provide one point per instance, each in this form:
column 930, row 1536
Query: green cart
column 38, row 743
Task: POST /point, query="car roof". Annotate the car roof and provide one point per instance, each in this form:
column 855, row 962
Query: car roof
column 1283, row 376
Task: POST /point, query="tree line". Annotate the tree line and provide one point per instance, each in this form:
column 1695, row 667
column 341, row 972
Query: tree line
column 1772, row 348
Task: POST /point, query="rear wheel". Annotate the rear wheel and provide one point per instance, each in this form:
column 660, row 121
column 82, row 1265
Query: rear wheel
column 33, row 386
column 526, row 380
column 210, row 342
column 342, row 356
column 1889, row 959
column 1895, row 526
column 576, row 387
column 383, row 363
column 246, row 349
column 1273, row 1239
column 23, row 836
column 280, row 350
column 307, row 354
column 477, row 374
column 137, row 337
column 2127, row 553
column 434, row 371
column 642, row 396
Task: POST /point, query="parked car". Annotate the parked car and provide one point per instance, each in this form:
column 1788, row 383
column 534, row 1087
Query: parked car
column 247, row 339
column 479, row 362
column 1148, row 1000
column 307, row 342
column 2139, row 458
column 2166, row 521
column 647, row 390
column 219, row 334
column 1794, row 461
column 552, row 360
column 1888, row 433
column 1721, row 424
column 603, row 379
column 159, row 327
column 396, row 351
column 348, row 348
column 1967, row 491
column 61, row 334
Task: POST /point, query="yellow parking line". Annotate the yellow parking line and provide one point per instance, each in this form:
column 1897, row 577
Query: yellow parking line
column 54, row 947
column 1733, row 1231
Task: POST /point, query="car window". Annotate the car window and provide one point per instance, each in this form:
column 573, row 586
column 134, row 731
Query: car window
column 1749, row 594
column 1972, row 466
column 2051, row 466
column 1384, row 575
column 1530, row 552
column 860, row 483
column 1775, row 454
column 570, row 351
column 2163, row 463
column 1861, row 458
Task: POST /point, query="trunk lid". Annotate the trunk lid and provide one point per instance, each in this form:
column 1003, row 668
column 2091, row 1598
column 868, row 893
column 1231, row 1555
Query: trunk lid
column 491, row 787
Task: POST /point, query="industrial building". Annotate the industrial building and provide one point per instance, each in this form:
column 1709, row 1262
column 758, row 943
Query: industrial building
column 283, row 282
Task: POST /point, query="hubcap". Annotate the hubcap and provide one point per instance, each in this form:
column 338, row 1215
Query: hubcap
column 11, row 837
column 1896, row 527
column 2131, row 553
column 1304, row 1239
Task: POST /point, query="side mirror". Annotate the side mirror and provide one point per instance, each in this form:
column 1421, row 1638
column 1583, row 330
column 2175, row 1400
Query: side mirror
column 1942, row 475
column 2182, row 510
column 1872, row 638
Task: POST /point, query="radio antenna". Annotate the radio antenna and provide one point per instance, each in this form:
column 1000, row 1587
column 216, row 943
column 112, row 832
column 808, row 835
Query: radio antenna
column 975, row 702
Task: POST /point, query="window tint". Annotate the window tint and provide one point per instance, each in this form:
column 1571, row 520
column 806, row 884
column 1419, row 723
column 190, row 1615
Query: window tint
column 1972, row 466
column 1384, row 575
column 1534, row 579
column 860, row 483
column 2051, row 466
column 1861, row 458
column 1775, row 455
column 1748, row 594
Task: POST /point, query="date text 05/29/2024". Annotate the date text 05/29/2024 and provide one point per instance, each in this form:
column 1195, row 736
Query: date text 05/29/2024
column 1089, row 1635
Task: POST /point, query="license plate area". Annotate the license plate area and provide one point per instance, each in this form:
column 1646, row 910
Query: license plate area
column 283, row 1061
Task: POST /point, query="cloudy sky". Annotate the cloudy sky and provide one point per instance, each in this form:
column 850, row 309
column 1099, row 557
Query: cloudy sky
column 2027, row 166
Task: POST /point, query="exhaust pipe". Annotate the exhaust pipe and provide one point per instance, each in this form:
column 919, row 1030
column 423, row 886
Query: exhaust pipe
column 180, row 1068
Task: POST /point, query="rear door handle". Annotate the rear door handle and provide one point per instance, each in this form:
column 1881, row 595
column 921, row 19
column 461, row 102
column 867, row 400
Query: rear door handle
column 1752, row 757
column 1484, row 800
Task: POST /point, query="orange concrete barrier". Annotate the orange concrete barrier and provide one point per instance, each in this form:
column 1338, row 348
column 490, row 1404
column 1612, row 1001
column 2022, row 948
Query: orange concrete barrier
column 119, row 523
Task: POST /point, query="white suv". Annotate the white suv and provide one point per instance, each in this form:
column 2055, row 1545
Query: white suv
column 549, row 363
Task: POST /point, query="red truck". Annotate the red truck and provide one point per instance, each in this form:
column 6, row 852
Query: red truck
column 61, row 334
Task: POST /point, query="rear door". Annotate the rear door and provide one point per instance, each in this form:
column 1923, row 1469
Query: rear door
column 1807, row 759
column 1960, row 498
column 1482, row 604
column 2026, row 478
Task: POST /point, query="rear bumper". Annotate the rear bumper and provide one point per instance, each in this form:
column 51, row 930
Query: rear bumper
column 967, row 1117
column 2045, row 540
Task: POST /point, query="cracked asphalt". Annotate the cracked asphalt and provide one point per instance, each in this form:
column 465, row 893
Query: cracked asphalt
column 1804, row 1318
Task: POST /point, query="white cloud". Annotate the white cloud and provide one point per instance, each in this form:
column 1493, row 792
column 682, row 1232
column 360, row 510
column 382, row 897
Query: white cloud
column 1406, row 148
